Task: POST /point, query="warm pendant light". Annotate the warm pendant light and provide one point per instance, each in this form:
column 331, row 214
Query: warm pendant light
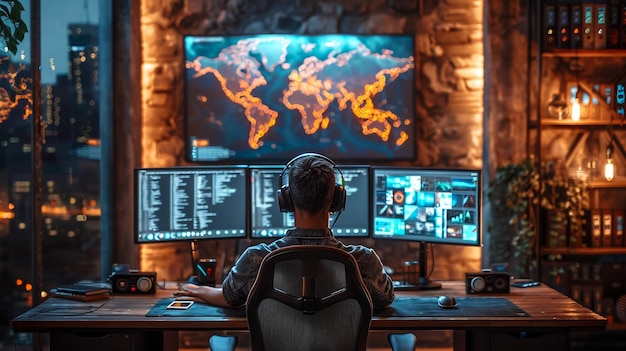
column 576, row 101
column 609, row 167
column 576, row 105
column 575, row 110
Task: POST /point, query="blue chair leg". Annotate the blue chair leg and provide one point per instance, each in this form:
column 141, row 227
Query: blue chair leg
column 402, row 342
column 223, row 342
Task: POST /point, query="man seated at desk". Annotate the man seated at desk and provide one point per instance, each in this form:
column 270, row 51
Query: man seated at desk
column 312, row 194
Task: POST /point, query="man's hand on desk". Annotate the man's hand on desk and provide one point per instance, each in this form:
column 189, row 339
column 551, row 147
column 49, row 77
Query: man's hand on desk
column 201, row 293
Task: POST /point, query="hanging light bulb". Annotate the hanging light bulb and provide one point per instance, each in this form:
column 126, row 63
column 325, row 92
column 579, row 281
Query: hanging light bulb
column 576, row 100
column 576, row 105
column 609, row 167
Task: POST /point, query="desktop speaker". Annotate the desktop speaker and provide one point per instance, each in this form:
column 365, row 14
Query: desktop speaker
column 133, row 283
column 487, row 283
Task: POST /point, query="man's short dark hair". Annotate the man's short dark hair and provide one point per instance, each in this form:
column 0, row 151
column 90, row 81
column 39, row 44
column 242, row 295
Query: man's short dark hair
column 312, row 184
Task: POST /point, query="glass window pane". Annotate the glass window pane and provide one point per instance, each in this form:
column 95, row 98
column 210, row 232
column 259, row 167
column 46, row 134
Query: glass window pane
column 69, row 160
column 16, row 184
column 71, row 152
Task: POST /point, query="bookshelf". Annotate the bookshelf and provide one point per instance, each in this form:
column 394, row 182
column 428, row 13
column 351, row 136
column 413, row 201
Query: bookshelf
column 579, row 52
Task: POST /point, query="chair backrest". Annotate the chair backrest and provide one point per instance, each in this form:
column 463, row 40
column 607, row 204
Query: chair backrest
column 309, row 297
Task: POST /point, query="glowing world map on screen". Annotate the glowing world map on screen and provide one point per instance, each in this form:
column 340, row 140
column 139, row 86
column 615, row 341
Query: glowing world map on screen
column 341, row 93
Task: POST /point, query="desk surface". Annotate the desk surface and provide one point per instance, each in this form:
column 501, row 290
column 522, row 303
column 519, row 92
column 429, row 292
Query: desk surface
column 547, row 309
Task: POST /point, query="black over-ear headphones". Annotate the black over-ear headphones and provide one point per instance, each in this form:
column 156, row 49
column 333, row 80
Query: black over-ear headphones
column 338, row 203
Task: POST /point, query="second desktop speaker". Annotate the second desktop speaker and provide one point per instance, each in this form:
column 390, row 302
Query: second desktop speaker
column 134, row 283
column 487, row 283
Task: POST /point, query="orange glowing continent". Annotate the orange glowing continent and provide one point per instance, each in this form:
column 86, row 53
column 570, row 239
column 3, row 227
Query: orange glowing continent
column 315, row 85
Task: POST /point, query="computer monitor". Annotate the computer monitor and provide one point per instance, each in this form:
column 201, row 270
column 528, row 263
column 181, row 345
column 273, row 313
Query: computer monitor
column 268, row 222
column 263, row 98
column 428, row 206
column 190, row 203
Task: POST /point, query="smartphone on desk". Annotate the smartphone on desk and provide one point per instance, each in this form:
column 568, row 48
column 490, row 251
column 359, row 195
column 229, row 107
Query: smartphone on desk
column 525, row 283
column 180, row 305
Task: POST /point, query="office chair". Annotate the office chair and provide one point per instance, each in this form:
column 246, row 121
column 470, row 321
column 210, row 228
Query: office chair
column 309, row 297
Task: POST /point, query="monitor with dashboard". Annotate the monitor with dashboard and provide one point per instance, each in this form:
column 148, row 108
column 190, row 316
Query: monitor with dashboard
column 267, row 221
column 428, row 206
column 260, row 99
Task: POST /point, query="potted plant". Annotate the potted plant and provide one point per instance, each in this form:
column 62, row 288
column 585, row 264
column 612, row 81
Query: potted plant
column 523, row 195
column 12, row 26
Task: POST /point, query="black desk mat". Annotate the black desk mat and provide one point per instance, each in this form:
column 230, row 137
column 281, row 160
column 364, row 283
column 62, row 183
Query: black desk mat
column 402, row 306
column 424, row 306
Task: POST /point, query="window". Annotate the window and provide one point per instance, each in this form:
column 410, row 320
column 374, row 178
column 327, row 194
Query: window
column 69, row 162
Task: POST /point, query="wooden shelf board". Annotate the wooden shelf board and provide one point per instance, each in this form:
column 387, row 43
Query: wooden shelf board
column 582, row 123
column 585, row 251
column 584, row 53
column 618, row 182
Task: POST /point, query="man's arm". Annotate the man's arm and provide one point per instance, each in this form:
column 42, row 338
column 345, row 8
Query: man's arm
column 202, row 293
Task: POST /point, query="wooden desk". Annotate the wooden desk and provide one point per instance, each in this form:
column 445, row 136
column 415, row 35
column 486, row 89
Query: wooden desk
column 553, row 317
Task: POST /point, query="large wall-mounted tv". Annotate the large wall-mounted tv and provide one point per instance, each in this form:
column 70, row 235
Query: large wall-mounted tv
column 261, row 99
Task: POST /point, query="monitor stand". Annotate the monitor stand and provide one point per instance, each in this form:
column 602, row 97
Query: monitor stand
column 424, row 282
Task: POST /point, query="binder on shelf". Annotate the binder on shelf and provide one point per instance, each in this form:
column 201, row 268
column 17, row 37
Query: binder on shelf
column 608, row 304
column 596, row 227
column 587, row 296
column 613, row 26
column 558, row 278
column 588, row 29
column 556, row 227
column 612, row 278
column 563, row 35
column 599, row 42
column 596, row 271
column 607, row 224
column 597, row 298
column 585, row 272
column 618, row 227
column 620, row 98
column 574, row 273
column 623, row 25
column 549, row 27
column 576, row 22
column 577, row 238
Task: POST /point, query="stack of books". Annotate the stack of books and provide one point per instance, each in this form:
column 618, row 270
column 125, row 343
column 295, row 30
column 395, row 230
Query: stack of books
column 83, row 292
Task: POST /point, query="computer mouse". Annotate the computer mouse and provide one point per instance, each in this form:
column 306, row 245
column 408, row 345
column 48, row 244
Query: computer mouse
column 446, row 301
